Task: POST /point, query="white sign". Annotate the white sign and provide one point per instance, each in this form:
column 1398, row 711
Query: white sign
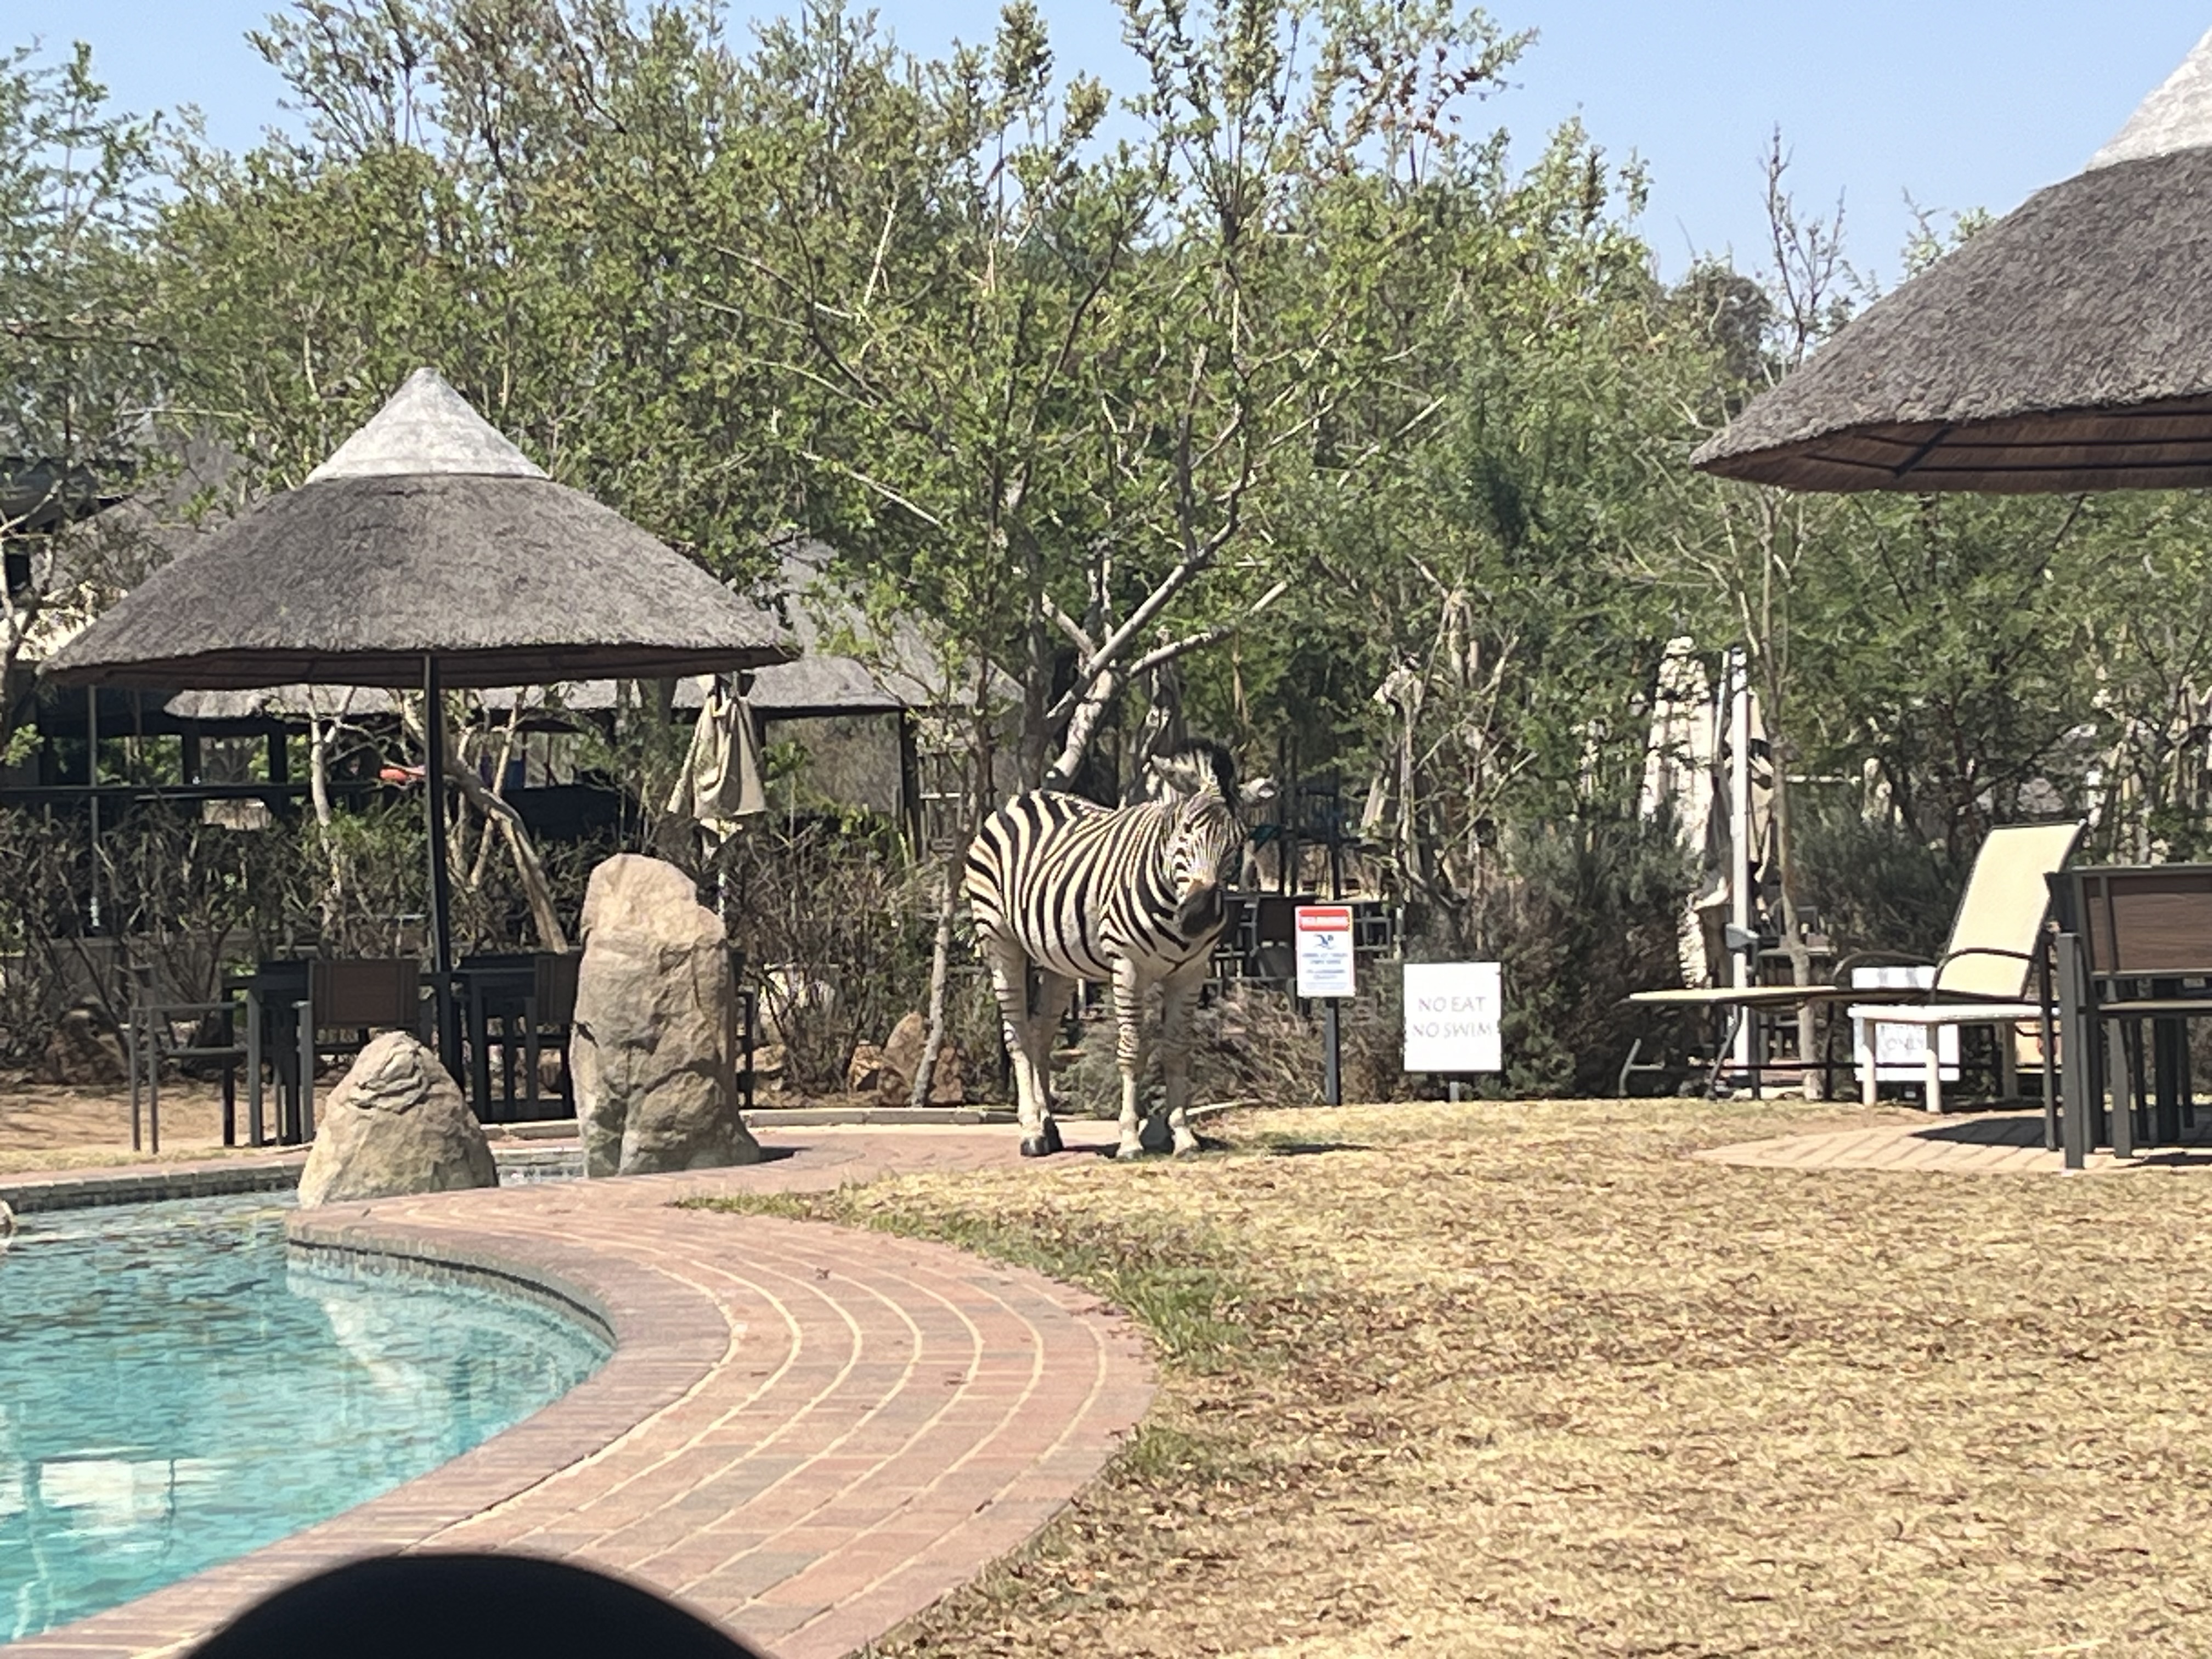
column 1452, row 1011
column 1898, row 1053
column 1325, row 951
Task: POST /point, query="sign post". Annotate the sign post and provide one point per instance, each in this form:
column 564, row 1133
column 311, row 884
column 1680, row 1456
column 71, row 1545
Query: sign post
column 1326, row 975
column 1452, row 1015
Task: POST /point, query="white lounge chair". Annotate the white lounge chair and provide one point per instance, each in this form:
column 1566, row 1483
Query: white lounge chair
column 1985, row 975
column 1982, row 977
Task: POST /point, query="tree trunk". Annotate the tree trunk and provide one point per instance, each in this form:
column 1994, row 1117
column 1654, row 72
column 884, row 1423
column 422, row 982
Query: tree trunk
column 319, row 791
column 1082, row 727
column 1036, row 701
column 940, row 961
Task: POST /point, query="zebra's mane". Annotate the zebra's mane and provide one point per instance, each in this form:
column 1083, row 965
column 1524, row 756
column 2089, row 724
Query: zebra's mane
column 1187, row 768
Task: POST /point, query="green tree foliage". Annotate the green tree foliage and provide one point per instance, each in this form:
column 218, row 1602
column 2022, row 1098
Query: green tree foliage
column 79, row 354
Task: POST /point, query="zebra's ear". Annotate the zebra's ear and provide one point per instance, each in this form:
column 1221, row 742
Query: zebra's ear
column 1254, row 791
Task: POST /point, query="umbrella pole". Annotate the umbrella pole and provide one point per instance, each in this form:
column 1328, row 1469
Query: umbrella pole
column 441, row 875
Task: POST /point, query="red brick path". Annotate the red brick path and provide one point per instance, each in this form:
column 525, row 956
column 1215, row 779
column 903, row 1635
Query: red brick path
column 807, row 1433
column 1998, row 1143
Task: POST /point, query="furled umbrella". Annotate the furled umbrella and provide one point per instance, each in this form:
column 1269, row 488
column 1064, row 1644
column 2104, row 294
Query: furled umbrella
column 427, row 552
column 2067, row 347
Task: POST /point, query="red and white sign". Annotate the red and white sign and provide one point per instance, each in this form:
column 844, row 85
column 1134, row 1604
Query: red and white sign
column 1325, row 951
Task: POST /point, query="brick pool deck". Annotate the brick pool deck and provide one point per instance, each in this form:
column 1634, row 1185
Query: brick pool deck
column 1984, row 1143
column 807, row 1433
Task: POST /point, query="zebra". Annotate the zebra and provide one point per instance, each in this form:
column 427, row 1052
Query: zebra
column 1062, row 888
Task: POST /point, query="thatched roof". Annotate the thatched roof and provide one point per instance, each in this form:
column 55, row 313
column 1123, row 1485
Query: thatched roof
column 892, row 675
column 426, row 534
column 896, row 668
column 848, row 664
column 2067, row 347
column 280, row 703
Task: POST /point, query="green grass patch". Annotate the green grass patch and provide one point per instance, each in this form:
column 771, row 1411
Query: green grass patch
column 1174, row 1279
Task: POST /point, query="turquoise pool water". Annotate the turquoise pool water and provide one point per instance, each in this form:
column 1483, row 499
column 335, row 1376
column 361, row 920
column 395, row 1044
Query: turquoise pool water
column 172, row 1395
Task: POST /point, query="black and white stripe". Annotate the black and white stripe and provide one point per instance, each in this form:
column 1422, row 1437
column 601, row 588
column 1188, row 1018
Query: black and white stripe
column 1077, row 886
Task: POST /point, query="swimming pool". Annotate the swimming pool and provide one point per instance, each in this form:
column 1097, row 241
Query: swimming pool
column 173, row 1396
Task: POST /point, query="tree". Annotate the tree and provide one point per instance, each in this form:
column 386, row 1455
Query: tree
column 79, row 357
column 1070, row 380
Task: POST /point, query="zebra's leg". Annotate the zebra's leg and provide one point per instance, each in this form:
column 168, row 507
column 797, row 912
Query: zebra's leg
column 1052, row 991
column 1009, row 974
column 1129, row 1052
column 1176, row 997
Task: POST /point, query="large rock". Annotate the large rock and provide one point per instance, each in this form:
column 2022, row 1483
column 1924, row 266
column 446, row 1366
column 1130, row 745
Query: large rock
column 903, row 1047
column 901, row 1055
column 396, row 1123
column 84, row 1048
column 653, row 1058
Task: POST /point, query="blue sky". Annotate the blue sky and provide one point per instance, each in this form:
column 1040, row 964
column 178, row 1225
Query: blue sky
column 1962, row 103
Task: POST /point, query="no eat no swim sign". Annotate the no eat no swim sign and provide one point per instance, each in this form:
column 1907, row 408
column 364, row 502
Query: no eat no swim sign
column 1452, row 1011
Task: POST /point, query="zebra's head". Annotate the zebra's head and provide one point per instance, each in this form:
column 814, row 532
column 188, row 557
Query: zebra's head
column 1196, row 783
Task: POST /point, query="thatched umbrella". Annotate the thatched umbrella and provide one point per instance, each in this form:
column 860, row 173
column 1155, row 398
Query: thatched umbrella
column 2067, row 347
column 427, row 552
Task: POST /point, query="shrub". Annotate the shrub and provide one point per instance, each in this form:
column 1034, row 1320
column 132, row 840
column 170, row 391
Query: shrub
column 1591, row 912
column 1878, row 886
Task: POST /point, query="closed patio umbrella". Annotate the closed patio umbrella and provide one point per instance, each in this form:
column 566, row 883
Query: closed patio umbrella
column 2067, row 347
column 427, row 552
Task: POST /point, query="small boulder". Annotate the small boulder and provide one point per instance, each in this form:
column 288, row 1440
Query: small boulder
column 395, row 1124
column 769, row 1061
column 869, row 1073
column 948, row 1085
column 84, row 1048
column 653, row 1056
column 7, row 1219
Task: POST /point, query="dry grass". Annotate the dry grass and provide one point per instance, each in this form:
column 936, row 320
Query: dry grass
column 1520, row 1379
column 50, row 1126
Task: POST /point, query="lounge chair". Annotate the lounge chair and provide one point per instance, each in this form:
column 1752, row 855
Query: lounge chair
column 1982, row 975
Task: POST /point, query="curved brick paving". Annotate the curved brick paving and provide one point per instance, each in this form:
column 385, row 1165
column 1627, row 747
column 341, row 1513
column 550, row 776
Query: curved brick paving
column 808, row 1432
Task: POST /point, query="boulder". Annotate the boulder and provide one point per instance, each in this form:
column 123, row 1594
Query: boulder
column 396, row 1123
column 652, row 1055
column 948, row 1086
column 769, row 1061
column 902, row 1053
column 869, row 1073
column 85, row 1048
column 7, row 1219
column 903, row 1047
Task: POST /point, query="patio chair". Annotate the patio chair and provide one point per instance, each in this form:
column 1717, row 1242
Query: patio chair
column 2134, row 966
column 292, row 1005
column 1982, row 976
column 151, row 1041
column 1994, row 971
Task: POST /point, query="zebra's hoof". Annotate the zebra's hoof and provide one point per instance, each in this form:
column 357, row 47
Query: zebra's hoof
column 1187, row 1147
column 1044, row 1144
column 1128, row 1150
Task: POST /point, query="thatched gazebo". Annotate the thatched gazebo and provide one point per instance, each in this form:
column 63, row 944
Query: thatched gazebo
column 2067, row 347
column 428, row 551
